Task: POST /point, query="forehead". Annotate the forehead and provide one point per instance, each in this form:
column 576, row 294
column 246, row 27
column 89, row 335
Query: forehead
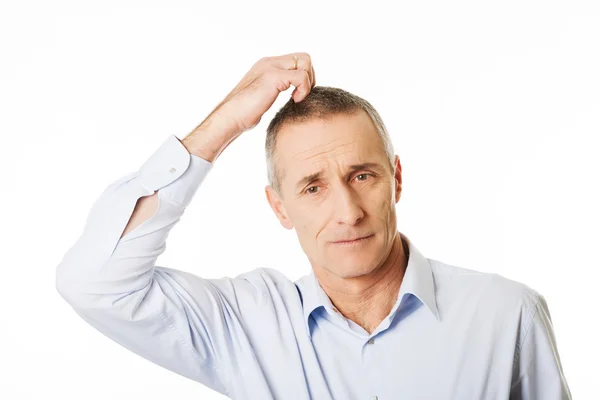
column 340, row 140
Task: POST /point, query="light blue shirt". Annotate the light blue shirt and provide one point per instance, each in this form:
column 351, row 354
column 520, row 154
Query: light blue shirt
column 453, row 333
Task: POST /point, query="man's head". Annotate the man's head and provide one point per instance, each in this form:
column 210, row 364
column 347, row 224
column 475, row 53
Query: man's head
column 342, row 137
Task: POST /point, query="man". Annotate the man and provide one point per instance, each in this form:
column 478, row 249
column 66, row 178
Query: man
column 375, row 319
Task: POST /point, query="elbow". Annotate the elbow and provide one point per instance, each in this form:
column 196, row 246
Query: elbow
column 112, row 291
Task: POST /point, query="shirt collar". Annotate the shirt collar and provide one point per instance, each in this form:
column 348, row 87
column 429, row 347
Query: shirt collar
column 417, row 280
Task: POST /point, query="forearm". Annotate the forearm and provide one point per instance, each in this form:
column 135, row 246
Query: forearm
column 211, row 137
column 145, row 208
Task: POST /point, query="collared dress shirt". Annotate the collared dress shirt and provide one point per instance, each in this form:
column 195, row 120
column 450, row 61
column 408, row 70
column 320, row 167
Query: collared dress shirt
column 453, row 333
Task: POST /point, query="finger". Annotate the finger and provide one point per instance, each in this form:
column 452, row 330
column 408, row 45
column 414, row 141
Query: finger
column 302, row 85
column 313, row 80
column 287, row 62
column 306, row 65
column 297, row 78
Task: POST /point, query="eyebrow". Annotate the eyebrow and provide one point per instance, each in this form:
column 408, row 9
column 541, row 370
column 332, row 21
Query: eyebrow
column 353, row 168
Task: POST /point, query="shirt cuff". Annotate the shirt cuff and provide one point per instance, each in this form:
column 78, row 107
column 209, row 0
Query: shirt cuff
column 172, row 169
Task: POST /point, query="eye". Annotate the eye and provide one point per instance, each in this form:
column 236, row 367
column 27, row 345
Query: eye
column 364, row 176
column 309, row 191
column 312, row 187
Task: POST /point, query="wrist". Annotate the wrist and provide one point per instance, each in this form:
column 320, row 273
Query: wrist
column 208, row 141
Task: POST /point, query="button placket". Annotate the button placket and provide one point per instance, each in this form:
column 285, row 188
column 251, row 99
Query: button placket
column 368, row 372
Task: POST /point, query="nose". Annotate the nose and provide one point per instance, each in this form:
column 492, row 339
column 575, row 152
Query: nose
column 347, row 209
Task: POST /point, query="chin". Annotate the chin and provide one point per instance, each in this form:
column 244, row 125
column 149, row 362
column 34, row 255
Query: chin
column 354, row 268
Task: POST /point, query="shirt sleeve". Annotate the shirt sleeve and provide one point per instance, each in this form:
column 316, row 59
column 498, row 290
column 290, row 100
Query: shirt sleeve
column 172, row 318
column 537, row 372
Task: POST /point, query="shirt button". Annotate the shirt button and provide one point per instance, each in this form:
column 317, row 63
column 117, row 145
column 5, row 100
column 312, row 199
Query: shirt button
column 172, row 170
column 372, row 341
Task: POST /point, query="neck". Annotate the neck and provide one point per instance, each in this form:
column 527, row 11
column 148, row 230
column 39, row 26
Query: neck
column 369, row 298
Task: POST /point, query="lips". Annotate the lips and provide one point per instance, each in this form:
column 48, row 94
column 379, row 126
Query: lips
column 351, row 240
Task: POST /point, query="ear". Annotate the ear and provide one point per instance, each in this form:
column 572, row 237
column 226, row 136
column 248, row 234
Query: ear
column 277, row 206
column 397, row 177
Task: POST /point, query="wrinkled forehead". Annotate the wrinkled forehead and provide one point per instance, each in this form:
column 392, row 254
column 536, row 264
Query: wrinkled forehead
column 329, row 145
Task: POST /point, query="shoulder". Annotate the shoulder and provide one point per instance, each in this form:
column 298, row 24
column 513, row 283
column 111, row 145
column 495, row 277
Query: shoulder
column 471, row 279
column 270, row 282
column 484, row 290
column 265, row 275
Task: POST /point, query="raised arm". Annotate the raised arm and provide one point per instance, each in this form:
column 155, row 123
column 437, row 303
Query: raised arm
column 175, row 319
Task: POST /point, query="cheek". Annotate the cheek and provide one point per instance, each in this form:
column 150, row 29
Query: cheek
column 314, row 223
column 310, row 221
column 380, row 201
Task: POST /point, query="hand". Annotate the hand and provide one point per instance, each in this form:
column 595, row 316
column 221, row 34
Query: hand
column 243, row 108
column 245, row 105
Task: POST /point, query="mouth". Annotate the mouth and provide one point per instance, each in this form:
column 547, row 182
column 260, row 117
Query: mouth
column 353, row 242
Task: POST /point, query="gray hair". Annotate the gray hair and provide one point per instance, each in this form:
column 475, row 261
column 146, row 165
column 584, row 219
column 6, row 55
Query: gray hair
column 321, row 102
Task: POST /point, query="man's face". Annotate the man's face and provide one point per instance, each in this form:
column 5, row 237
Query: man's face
column 343, row 202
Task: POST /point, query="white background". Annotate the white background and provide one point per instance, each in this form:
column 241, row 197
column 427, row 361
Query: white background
column 494, row 110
